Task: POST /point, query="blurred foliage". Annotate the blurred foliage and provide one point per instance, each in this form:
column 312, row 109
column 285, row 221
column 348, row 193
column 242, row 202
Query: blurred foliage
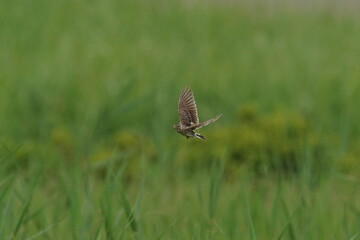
column 349, row 161
column 277, row 142
column 63, row 142
column 124, row 148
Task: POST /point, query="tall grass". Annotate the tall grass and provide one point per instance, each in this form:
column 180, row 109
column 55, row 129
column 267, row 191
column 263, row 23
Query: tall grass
column 88, row 95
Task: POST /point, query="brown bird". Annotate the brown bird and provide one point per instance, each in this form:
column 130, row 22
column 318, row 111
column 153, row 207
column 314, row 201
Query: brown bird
column 188, row 116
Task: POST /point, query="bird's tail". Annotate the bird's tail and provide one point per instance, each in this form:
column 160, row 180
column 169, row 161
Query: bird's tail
column 200, row 136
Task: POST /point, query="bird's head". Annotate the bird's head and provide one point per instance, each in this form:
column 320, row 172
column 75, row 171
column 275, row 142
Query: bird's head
column 176, row 126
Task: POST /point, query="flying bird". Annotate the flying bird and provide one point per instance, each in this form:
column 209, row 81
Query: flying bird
column 188, row 116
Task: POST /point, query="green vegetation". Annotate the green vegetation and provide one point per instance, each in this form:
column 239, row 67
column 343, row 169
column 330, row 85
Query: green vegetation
column 88, row 97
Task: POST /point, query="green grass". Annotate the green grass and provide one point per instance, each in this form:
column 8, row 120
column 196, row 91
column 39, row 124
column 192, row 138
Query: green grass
column 88, row 95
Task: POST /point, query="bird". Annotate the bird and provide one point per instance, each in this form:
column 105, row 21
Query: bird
column 188, row 116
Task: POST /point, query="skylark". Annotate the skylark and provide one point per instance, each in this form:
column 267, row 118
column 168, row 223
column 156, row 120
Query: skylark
column 188, row 116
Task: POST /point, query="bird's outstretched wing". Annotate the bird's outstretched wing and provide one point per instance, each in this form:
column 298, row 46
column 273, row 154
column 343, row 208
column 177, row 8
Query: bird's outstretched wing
column 203, row 124
column 187, row 108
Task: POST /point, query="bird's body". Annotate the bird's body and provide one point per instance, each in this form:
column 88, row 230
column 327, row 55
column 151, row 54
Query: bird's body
column 188, row 116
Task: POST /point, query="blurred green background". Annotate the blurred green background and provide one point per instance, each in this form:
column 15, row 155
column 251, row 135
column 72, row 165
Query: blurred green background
column 88, row 97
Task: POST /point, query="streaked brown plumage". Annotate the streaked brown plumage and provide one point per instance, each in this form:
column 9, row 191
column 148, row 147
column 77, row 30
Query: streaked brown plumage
column 188, row 116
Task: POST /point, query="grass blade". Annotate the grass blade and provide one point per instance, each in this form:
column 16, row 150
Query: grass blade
column 22, row 216
column 355, row 236
column 251, row 222
column 289, row 226
column 128, row 211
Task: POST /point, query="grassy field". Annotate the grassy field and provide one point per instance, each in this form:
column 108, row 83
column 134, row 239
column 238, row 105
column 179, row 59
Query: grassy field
column 88, row 97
